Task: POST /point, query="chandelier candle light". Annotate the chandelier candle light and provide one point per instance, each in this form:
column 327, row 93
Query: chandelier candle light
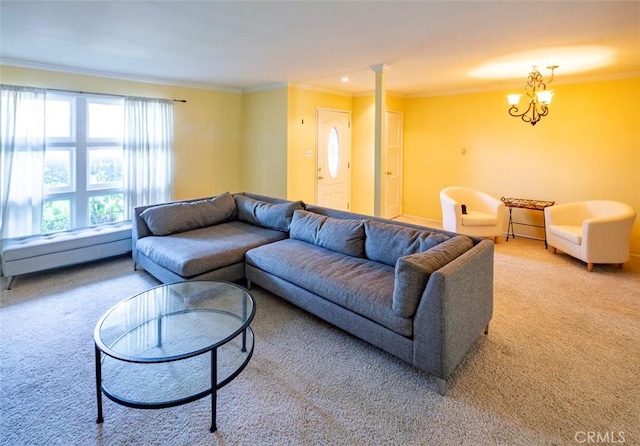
column 539, row 97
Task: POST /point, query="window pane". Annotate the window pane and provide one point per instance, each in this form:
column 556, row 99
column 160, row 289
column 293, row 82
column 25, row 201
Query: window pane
column 105, row 120
column 105, row 165
column 58, row 120
column 56, row 215
column 333, row 152
column 106, row 208
column 57, row 168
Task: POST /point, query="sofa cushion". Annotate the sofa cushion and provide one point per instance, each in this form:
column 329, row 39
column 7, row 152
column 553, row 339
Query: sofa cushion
column 195, row 252
column 387, row 242
column 183, row 216
column 569, row 233
column 412, row 272
column 477, row 218
column 336, row 234
column 358, row 284
column 269, row 215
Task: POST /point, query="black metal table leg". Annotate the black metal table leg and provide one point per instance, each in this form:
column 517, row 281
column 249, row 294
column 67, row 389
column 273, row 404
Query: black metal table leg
column 510, row 225
column 99, row 384
column 244, row 332
column 159, row 345
column 214, row 388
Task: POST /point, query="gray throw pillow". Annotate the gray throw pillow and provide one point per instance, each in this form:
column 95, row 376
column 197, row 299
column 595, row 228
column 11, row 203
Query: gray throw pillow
column 268, row 215
column 387, row 242
column 184, row 216
column 413, row 272
column 343, row 236
column 245, row 207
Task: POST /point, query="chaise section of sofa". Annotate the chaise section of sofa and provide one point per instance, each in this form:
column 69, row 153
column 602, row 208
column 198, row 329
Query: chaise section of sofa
column 207, row 238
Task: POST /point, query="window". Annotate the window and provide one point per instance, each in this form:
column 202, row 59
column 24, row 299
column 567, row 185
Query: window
column 84, row 161
column 333, row 152
column 71, row 160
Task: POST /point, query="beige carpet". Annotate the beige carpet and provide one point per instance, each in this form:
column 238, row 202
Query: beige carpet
column 561, row 361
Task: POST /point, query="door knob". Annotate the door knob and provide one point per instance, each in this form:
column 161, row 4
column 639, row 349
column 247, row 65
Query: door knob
column 388, row 172
column 320, row 178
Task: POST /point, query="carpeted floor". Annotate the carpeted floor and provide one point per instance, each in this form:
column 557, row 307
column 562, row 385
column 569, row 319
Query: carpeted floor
column 561, row 362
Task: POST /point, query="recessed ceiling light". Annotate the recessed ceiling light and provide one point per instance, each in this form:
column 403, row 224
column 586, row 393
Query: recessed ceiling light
column 345, row 79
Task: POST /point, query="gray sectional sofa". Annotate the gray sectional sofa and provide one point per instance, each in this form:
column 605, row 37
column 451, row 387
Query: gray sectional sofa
column 420, row 294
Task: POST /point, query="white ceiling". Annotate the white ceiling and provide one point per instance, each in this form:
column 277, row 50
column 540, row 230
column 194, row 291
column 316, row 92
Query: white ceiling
column 430, row 46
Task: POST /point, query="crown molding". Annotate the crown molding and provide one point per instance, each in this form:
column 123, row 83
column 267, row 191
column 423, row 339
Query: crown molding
column 297, row 85
column 381, row 67
column 569, row 80
column 310, row 87
column 581, row 79
column 112, row 75
column 575, row 79
column 265, row 87
column 395, row 94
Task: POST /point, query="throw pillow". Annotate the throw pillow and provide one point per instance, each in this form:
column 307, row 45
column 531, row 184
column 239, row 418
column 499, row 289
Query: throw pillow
column 343, row 236
column 184, row 216
column 413, row 272
column 269, row 215
column 245, row 207
column 386, row 242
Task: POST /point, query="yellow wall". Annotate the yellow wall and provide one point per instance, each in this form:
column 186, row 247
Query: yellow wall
column 395, row 102
column 264, row 142
column 588, row 147
column 302, row 125
column 363, row 143
column 207, row 127
column 302, row 122
column 362, row 154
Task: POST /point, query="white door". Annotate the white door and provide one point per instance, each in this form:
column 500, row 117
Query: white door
column 392, row 206
column 333, row 177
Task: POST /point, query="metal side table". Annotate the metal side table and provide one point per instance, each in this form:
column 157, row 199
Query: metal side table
column 524, row 203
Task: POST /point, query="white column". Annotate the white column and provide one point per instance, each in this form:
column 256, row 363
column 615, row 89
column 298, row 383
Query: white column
column 380, row 138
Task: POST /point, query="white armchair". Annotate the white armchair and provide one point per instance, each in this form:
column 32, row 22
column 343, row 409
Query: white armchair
column 485, row 215
column 596, row 231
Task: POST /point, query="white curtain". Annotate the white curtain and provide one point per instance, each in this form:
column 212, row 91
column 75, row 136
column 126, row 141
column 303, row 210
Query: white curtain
column 22, row 141
column 148, row 148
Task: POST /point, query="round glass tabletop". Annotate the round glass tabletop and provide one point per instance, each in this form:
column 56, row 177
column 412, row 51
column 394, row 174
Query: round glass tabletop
column 174, row 321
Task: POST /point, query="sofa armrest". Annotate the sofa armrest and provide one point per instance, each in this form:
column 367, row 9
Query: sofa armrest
column 455, row 308
column 412, row 272
column 607, row 238
column 451, row 213
column 139, row 229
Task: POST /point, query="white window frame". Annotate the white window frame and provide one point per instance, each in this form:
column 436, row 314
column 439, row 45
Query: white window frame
column 80, row 191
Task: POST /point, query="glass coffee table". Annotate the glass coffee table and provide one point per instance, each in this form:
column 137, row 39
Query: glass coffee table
column 173, row 344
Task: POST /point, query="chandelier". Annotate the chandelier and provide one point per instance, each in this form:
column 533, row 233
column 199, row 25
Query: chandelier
column 539, row 97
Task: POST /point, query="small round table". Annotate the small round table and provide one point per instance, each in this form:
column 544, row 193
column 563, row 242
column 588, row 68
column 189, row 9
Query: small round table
column 173, row 344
